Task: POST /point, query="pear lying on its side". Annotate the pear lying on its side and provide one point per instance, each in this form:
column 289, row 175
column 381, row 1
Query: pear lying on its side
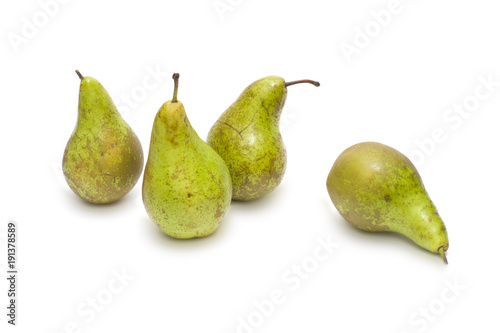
column 376, row 188
column 187, row 187
column 103, row 158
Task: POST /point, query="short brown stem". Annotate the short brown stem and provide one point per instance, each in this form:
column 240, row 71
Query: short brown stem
column 176, row 86
column 291, row 83
column 441, row 252
column 79, row 74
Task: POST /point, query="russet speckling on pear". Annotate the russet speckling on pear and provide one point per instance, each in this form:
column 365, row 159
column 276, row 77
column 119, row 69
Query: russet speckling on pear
column 247, row 137
column 376, row 188
column 103, row 159
column 187, row 187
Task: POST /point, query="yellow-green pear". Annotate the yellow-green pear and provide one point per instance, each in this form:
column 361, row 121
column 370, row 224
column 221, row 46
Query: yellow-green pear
column 187, row 187
column 103, row 159
column 376, row 188
column 248, row 138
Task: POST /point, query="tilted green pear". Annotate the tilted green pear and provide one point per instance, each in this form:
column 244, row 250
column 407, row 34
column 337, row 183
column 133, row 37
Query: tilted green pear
column 187, row 187
column 247, row 137
column 376, row 188
column 103, row 159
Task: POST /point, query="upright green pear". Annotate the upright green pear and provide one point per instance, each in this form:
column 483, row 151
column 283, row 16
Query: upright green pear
column 103, row 159
column 376, row 188
column 187, row 187
column 247, row 137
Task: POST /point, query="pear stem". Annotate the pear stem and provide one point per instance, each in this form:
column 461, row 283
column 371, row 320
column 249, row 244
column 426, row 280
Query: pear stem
column 291, row 83
column 441, row 252
column 79, row 74
column 176, row 86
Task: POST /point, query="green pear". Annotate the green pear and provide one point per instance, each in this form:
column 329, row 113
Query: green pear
column 247, row 137
column 376, row 188
column 103, row 159
column 187, row 187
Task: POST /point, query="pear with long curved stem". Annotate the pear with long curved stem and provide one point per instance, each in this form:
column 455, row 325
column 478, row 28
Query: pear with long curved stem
column 247, row 137
column 376, row 188
column 103, row 159
column 187, row 187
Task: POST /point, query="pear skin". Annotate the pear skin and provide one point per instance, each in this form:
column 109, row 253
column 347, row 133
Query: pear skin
column 187, row 187
column 103, row 159
column 376, row 188
column 248, row 138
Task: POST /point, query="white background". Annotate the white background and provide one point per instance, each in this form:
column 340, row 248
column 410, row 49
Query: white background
column 396, row 90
